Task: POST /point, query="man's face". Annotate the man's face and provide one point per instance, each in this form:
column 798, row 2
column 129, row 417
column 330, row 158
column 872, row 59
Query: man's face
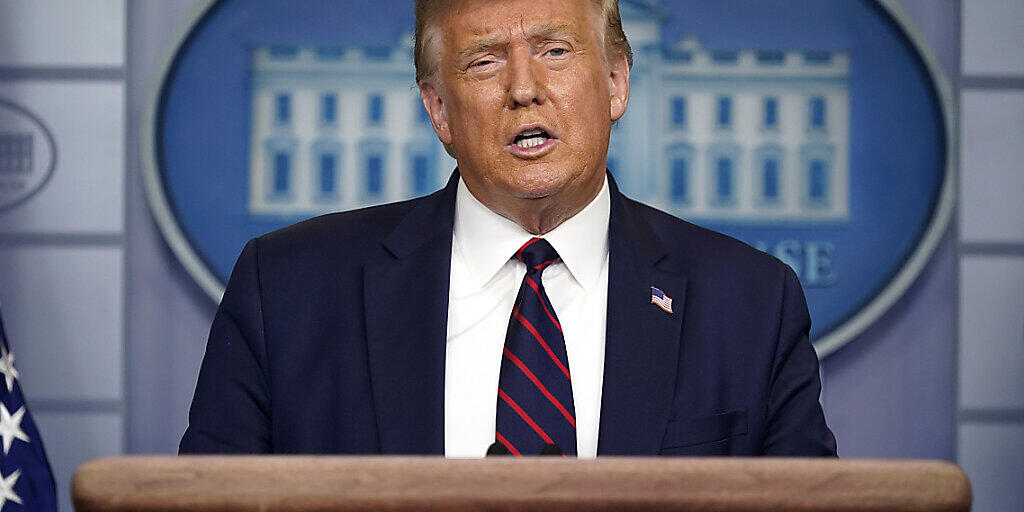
column 526, row 98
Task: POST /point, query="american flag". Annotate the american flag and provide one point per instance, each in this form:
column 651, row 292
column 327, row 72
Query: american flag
column 663, row 301
column 26, row 482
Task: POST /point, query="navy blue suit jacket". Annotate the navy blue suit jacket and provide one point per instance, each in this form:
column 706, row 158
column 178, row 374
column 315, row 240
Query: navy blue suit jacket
column 331, row 336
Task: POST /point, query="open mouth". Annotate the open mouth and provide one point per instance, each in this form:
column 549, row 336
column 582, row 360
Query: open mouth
column 531, row 138
column 532, row 142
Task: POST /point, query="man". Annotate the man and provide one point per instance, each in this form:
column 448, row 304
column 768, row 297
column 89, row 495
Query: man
column 528, row 304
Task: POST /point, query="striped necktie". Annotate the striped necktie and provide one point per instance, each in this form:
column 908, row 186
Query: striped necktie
column 535, row 406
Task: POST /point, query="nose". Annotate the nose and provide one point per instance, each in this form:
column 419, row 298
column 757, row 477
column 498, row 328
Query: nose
column 526, row 80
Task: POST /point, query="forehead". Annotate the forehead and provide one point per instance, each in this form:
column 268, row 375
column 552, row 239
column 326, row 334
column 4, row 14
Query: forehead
column 471, row 20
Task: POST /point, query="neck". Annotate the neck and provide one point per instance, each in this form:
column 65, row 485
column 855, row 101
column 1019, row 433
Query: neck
column 539, row 216
column 540, row 219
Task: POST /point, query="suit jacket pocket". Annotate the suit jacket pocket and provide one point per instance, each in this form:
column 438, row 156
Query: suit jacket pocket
column 694, row 430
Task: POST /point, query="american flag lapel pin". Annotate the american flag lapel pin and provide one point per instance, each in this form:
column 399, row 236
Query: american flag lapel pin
column 663, row 301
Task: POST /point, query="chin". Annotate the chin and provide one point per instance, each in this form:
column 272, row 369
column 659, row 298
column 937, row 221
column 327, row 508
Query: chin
column 535, row 194
column 538, row 185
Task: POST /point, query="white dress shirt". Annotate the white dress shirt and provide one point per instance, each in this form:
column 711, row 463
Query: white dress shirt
column 484, row 282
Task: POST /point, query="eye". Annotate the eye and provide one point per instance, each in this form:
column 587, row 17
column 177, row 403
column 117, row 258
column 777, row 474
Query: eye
column 557, row 52
column 481, row 63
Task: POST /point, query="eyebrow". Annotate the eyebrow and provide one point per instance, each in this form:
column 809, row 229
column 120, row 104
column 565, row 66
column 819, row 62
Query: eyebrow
column 541, row 32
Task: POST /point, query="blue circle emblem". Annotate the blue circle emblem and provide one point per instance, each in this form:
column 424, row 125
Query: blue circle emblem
column 815, row 131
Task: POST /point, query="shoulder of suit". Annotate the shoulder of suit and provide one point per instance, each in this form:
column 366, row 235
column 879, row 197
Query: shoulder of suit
column 701, row 251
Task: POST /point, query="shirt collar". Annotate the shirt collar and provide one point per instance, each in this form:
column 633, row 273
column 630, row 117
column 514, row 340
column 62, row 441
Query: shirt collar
column 487, row 240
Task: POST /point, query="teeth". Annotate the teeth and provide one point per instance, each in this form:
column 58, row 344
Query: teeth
column 531, row 138
column 531, row 142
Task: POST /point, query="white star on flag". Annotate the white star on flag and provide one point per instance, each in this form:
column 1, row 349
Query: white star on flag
column 7, row 367
column 23, row 465
column 10, row 427
column 7, row 488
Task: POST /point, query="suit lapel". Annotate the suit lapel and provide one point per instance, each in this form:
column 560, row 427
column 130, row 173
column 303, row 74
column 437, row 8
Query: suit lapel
column 642, row 340
column 406, row 301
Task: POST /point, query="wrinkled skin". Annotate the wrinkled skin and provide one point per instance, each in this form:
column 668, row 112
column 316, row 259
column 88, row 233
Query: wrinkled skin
column 509, row 65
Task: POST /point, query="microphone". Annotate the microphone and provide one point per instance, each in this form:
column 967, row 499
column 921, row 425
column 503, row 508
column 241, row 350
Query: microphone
column 497, row 449
column 551, row 449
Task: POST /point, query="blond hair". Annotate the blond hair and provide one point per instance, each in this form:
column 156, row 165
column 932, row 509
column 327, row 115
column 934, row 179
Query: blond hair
column 429, row 13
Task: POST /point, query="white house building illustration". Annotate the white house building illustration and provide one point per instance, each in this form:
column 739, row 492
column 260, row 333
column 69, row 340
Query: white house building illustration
column 15, row 153
column 748, row 135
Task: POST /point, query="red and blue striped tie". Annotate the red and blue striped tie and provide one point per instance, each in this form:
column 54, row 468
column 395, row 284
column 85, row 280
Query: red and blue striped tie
column 535, row 406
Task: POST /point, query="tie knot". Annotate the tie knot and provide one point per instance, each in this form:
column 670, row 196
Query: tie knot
column 537, row 254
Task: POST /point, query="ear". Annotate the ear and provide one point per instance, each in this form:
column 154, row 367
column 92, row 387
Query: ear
column 618, row 86
column 435, row 108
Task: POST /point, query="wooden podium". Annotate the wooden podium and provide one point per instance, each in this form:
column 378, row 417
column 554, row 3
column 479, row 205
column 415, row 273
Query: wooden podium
column 315, row 483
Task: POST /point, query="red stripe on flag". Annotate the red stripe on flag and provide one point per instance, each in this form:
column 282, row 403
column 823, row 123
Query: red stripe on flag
column 501, row 439
column 526, row 323
column 542, row 303
column 526, row 417
column 551, row 398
